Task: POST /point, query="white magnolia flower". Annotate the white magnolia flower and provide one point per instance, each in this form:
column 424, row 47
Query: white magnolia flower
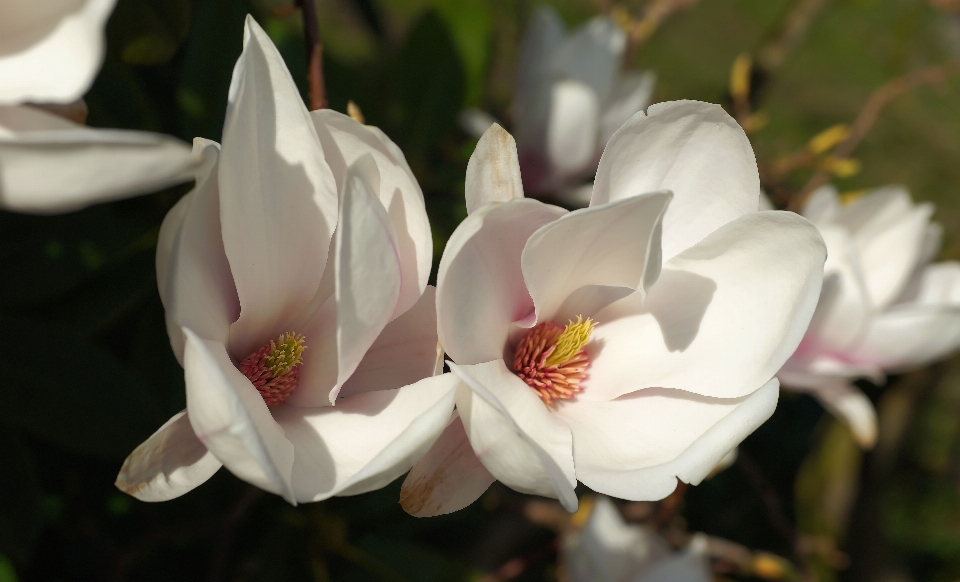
column 884, row 308
column 49, row 53
column 570, row 98
column 302, row 328
column 682, row 301
column 608, row 549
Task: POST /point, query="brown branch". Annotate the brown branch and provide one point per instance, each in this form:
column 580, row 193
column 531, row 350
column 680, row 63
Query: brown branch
column 869, row 114
column 311, row 32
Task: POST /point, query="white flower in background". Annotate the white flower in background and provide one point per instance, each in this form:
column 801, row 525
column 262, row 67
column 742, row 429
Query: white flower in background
column 570, row 98
column 884, row 307
column 608, row 549
column 50, row 52
column 302, row 328
column 626, row 345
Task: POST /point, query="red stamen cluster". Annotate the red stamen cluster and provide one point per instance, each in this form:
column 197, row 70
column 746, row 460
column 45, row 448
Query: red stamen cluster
column 554, row 382
column 274, row 389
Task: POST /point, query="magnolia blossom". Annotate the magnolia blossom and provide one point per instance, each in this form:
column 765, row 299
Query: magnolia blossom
column 884, row 307
column 294, row 282
column 626, row 345
column 570, row 98
column 49, row 53
column 608, row 549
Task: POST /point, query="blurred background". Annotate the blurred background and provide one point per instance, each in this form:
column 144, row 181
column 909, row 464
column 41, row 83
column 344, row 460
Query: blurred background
column 90, row 373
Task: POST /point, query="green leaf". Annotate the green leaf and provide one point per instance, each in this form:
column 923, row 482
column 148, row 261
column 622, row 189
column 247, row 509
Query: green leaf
column 148, row 32
column 470, row 26
column 21, row 514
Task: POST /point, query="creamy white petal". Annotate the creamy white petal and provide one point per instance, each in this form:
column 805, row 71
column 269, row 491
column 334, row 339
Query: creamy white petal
column 448, row 478
column 685, row 566
column 344, row 142
column 910, row 335
column 480, row 287
column 278, row 202
column 850, row 405
column 631, row 93
column 230, row 418
column 50, row 50
column 722, row 318
column 823, row 206
column 614, row 245
column 493, row 172
column 696, row 151
column 367, row 440
column 542, row 38
column 572, row 127
column 936, row 284
column 51, row 165
column 170, row 463
column 475, row 122
column 638, row 446
column 516, row 437
column 591, row 55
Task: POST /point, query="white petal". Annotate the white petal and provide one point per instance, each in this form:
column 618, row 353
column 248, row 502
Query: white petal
column 230, row 418
column 344, row 142
column 723, row 317
column 480, row 287
column 404, row 352
column 51, row 50
column 823, row 206
column 278, row 202
column 696, row 151
column 636, row 447
column 591, row 55
column 448, row 478
column 367, row 440
column 685, row 566
column 572, row 127
column 631, row 93
column 937, row 284
column 517, row 438
column 493, row 172
column 614, row 245
column 170, row 463
column 543, row 36
column 50, row 165
column 850, row 405
column 475, row 122
column 910, row 335
column 193, row 275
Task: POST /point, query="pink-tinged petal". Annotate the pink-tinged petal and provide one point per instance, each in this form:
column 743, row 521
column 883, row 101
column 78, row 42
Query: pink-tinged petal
column 911, row 335
column 572, row 127
column 170, row 463
column 516, row 437
column 638, row 446
column 367, row 440
column 404, row 352
column 344, row 142
column 448, row 478
column 937, row 284
column 850, row 405
column 888, row 231
column 230, row 418
column 278, row 202
column 803, row 372
column 591, row 55
column 541, row 39
column 51, row 51
column 696, row 151
column 480, row 287
column 193, row 274
column 614, row 245
column 51, row 165
column 493, row 172
column 631, row 93
column 367, row 286
column 722, row 318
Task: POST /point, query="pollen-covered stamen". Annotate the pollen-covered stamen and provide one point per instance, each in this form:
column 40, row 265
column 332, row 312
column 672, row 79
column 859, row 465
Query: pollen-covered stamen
column 552, row 360
column 274, row 369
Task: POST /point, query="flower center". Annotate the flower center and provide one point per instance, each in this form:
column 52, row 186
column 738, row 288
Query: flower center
column 552, row 360
column 274, row 369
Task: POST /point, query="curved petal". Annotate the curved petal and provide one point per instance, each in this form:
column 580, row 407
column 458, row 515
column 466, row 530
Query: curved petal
column 723, row 317
column 344, row 142
column 230, row 418
column 50, row 165
column 170, row 463
column 850, row 405
column 367, row 440
column 493, row 172
column 638, row 446
column 696, row 151
column 278, row 202
column 196, row 285
column 572, row 127
column 910, row 335
column 522, row 443
column 614, row 245
column 448, row 478
column 823, row 206
column 591, row 55
column 542, row 38
column 688, row 565
column 51, row 50
column 936, row 284
column 480, row 288
column 405, row 351
column 631, row 93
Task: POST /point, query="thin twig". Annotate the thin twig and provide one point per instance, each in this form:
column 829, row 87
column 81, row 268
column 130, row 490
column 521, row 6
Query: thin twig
column 772, row 54
column 771, row 502
column 311, row 32
column 228, row 529
column 518, row 566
